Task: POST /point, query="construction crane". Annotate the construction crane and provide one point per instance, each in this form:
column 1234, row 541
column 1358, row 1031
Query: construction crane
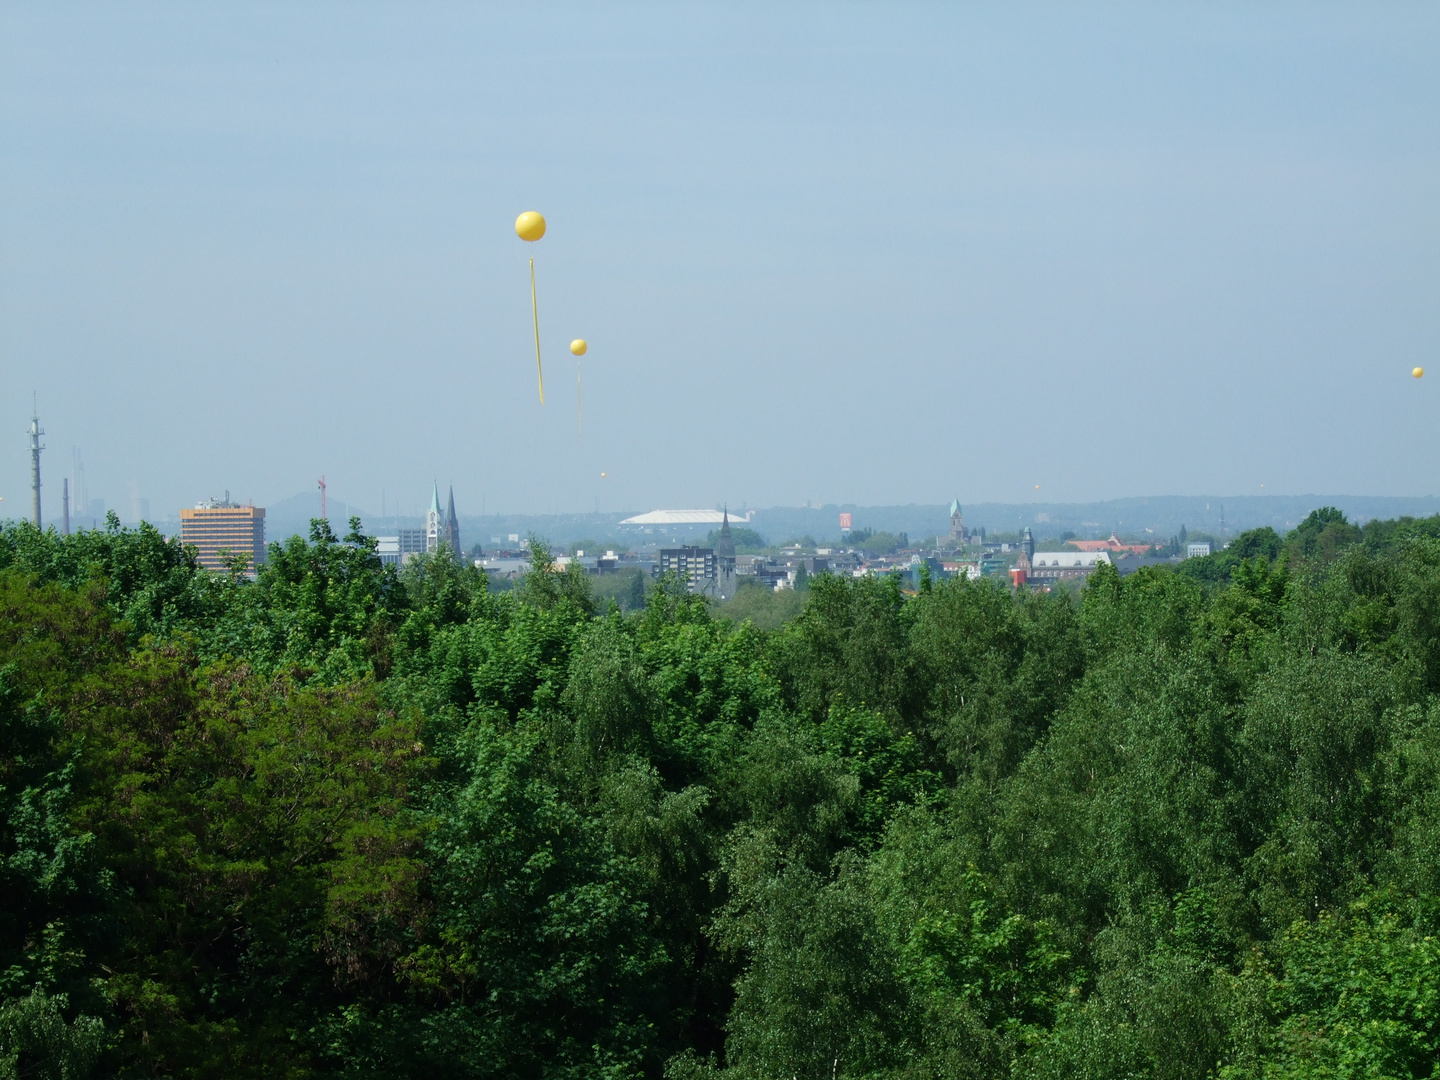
column 324, row 516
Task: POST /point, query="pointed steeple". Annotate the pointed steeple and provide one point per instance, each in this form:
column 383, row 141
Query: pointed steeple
column 433, row 535
column 725, row 559
column 452, row 525
column 725, row 549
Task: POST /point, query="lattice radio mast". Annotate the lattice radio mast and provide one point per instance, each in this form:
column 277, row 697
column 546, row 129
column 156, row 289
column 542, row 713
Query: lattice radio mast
column 35, row 432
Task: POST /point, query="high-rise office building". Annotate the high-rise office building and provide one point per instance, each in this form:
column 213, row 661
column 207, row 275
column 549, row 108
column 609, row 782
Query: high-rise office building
column 220, row 529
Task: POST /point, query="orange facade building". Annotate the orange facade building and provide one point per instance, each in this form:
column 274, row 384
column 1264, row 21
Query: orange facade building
column 1113, row 544
column 219, row 530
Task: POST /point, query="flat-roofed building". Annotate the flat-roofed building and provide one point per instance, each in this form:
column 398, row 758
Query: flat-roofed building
column 219, row 530
column 682, row 517
column 399, row 549
column 1051, row 566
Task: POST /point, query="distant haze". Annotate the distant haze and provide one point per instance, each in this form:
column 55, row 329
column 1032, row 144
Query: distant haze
column 1157, row 517
column 824, row 254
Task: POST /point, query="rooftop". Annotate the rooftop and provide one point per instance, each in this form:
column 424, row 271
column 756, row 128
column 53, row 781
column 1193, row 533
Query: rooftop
column 681, row 517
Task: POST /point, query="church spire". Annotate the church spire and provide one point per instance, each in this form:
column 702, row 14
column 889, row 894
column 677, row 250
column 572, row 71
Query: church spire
column 725, row 549
column 432, row 522
column 725, row 559
column 452, row 525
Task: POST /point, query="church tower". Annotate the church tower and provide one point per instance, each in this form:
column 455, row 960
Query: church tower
column 958, row 535
column 725, row 559
column 452, row 526
column 725, row 549
column 433, row 535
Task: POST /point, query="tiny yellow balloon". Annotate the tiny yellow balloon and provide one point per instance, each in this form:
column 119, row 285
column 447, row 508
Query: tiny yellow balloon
column 602, row 476
column 578, row 346
column 530, row 226
column 1419, row 371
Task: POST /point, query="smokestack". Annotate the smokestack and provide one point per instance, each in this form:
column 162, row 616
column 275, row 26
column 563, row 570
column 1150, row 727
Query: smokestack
column 65, row 503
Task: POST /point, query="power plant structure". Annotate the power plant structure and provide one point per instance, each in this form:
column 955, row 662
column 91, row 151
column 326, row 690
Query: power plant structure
column 35, row 448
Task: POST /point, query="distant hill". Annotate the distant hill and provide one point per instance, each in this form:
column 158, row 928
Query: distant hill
column 291, row 517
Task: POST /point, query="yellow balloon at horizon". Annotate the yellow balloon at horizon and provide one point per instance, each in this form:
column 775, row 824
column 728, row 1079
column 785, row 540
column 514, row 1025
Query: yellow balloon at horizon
column 530, row 226
column 1418, row 372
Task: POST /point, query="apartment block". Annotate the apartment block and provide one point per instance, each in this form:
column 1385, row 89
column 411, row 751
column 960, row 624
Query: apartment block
column 694, row 565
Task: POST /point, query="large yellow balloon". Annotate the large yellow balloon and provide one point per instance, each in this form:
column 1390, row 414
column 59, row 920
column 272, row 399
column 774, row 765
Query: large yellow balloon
column 578, row 346
column 530, row 226
column 1418, row 372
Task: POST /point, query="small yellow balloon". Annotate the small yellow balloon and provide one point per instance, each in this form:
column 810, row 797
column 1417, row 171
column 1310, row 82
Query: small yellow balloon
column 602, row 476
column 1419, row 371
column 530, row 226
column 578, row 346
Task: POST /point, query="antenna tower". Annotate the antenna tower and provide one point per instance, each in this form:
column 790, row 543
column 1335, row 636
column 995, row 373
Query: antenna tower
column 324, row 516
column 35, row 432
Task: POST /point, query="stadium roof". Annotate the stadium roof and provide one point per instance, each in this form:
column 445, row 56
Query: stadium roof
column 682, row 517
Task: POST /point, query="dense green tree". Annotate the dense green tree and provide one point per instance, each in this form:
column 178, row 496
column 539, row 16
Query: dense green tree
column 338, row 820
column 153, row 584
column 764, row 607
column 746, row 540
column 57, row 889
column 263, row 854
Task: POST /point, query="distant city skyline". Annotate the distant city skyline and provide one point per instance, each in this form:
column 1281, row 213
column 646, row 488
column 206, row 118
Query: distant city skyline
column 819, row 253
column 1147, row 518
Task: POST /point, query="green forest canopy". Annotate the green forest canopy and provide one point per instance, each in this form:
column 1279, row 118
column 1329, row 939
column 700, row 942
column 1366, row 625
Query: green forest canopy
column 339, row 821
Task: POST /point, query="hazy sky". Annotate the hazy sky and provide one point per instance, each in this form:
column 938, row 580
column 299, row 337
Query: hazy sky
column 821, row 253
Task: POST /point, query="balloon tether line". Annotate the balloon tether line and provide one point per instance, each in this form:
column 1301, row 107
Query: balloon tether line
column 535, row 311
